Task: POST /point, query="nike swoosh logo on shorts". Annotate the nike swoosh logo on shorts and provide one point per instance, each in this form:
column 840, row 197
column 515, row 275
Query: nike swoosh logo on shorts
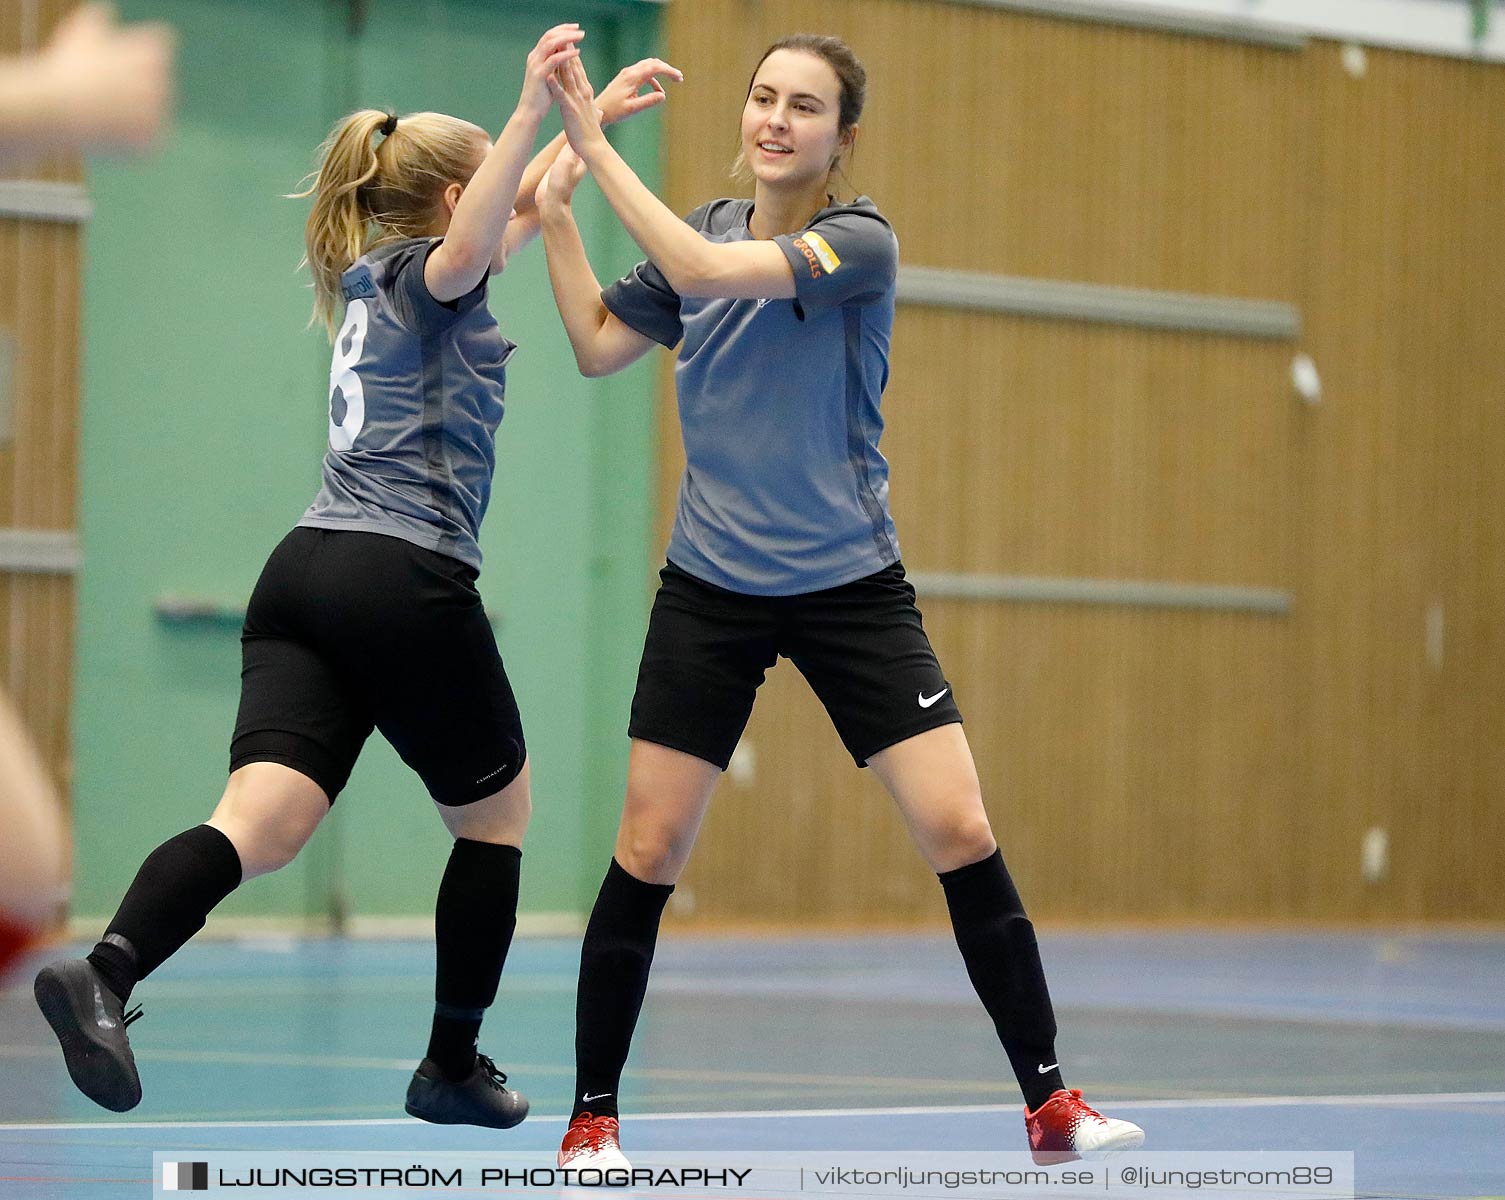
column 927, row 701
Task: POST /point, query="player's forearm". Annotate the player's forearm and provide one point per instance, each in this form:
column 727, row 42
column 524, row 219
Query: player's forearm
column 484, row 208
column 577, row 292
column 533, row 175
column 678, row 251
column 521, row 231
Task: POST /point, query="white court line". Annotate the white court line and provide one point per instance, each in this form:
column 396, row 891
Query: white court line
column 853, row 987
column 663, row 1074
column 1393, row 1100
column 1399, row 1099
column 1422, row 1099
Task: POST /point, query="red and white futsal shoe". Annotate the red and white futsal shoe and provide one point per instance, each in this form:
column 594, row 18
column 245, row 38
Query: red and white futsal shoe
column 1066, row 1128
column 590, row 1143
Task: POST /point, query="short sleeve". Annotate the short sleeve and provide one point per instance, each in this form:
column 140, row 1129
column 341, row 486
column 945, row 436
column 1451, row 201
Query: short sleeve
column 645, row 301
column 848, row 257
column 411, row 299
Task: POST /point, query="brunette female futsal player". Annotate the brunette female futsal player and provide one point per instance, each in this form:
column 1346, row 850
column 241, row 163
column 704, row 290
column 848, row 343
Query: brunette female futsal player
column 781, row 308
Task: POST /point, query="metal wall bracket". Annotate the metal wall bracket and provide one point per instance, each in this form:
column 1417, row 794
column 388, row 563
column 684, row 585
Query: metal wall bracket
column 1124, row 593
column 40, row 551
column 43, row 200
column 1066, row 300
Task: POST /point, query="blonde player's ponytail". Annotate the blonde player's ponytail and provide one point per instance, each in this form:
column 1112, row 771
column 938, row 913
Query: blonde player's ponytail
column 369, row 192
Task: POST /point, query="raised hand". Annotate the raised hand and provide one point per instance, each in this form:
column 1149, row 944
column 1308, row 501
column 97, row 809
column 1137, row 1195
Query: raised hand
column 555, row 51
column 560, row 181
column 623, row 97
column 571, row 87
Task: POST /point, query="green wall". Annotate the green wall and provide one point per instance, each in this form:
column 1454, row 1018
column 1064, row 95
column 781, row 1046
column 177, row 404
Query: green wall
column 204, row 426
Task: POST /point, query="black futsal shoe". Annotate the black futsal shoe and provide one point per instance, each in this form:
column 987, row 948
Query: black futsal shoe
column 479, row 1099
column 90, row 1027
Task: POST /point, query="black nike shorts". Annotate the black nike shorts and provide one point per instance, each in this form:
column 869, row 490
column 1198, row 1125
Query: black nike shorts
column 861, row 646
column 347, row 632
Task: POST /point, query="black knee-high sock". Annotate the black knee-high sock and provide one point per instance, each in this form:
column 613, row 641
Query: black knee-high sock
column 615, row 959
column 473, row 924
column 997, row 942
column 176, row 888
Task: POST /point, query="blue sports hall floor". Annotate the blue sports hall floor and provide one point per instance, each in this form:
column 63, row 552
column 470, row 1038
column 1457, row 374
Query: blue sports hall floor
column 1392, row 1047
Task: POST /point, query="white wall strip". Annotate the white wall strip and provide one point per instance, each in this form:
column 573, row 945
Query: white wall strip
column 39, row 551
column 1098, row 302
column 198, row 610
column 1232, row 27
column 270, row 930
column 1126, row 593
column 173, row 609
column 1444, row 27
column 42, row 200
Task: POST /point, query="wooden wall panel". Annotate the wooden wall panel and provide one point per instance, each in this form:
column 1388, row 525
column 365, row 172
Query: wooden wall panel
column 1140, row 763
column 997, row 141
column 1144, row 787
column 40, row 312
column 1067, row 449
column 1403, row 261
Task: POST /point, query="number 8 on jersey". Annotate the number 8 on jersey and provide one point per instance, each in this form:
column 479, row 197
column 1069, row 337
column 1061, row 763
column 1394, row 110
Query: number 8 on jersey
column 344, row 381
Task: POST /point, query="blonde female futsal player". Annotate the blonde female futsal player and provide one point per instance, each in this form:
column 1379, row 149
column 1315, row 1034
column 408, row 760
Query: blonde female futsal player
column 367, row 615
column 781, row 308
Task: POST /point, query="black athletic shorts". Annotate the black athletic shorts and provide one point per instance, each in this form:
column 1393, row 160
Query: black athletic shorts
column 349, row 631
column 861, row 646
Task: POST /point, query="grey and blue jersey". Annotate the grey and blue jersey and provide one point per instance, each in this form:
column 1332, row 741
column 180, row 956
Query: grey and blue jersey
column 416, row 392
column 784, row 490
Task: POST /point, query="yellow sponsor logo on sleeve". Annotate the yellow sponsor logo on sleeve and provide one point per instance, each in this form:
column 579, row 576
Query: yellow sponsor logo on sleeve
column 823, row 251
